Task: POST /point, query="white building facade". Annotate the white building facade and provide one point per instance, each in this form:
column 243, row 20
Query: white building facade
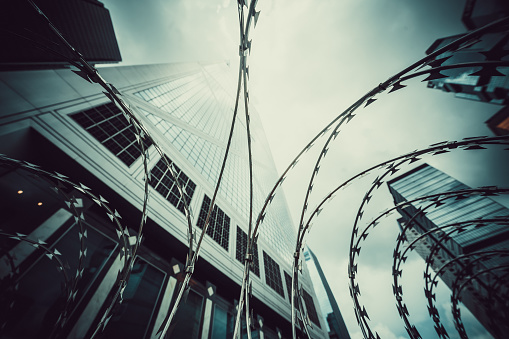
column 58, row 121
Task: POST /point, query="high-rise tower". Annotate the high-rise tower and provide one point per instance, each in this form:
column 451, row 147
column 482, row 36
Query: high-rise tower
column 462, row 234
column 60, row 122
column 484, row 76
column 328, row 303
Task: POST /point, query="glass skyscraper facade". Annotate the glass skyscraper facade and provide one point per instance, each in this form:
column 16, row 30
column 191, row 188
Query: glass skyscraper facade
column 473, row 238
column 58, row 121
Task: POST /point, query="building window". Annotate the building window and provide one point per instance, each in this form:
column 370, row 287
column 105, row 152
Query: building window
column 219, row 223
column 272, row 274
column 134, row 317
column 222, row 324
column 187, row 321
column 107, row 124
column 240, row 253
column 288, row 280
column 162, row 181
column 38, row 292
column 310, row 306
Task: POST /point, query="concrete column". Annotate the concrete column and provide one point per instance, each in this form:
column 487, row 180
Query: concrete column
column 165, row 305
column 207, row 315
column 260, row 322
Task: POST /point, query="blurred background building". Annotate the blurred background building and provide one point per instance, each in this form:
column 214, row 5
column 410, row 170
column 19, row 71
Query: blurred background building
column 484, row 296
column 330, row 309
column 486, row 83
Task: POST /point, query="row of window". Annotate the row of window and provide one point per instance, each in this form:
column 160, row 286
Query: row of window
column 107, row 124
column 110, row 128
column 31, row 308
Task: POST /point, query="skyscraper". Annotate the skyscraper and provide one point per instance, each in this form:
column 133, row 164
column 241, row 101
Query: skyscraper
column 477, row 233
column 327, row 301
column 474, row 82
column 480, row 79
column 29, row 43
column 60, row 122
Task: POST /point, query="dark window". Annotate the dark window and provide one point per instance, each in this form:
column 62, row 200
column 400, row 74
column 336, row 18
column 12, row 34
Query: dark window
column 37, row 300
column 310, row 306
column 272, row 274
column 219, row 223
column 240, row 252
column 288, row 280
column 188, row 318
column 222, row 323
column 163, row 182
column 132, row 318
column 32, row 299
column 108, row 125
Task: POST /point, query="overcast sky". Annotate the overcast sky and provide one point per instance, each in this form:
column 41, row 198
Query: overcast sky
column 309, row 61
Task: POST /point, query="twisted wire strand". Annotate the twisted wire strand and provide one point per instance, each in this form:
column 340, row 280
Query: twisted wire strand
column 435, row 149
column 392, row 167
column 89, row 73
column 347, row 115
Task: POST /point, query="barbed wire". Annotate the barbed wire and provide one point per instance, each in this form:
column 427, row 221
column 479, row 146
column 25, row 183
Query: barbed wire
column 298, row 309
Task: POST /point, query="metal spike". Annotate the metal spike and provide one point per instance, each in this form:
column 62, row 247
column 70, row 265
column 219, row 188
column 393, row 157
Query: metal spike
column 434, row 75
column 82, row 74
column 369, row 102
column 256, row 15
column 114, row 89
column 109, row 96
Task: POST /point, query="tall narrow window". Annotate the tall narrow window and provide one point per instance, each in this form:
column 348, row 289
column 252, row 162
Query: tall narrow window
column 108, row 125
column 219, row 223
column 163, row 182
column 134, row 316
column 310, row 306
column 240, row 252
column 273, row 274
column 222, row 324
column 187, row 320
column 288, row 280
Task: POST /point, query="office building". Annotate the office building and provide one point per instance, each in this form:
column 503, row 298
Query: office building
column 478, row 83
column 478, row 13
column 472, row 239
column 330, row 309
column 62, row 123
column 487, row 83
column 28, row 42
